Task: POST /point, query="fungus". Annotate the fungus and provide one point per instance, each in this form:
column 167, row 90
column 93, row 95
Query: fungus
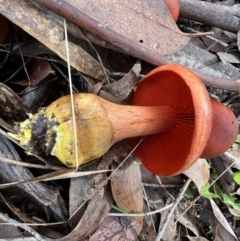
column 224, row 130
column 175, row 151
column 171, row 109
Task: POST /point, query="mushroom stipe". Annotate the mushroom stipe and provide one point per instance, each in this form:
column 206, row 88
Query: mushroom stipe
column 171, row 109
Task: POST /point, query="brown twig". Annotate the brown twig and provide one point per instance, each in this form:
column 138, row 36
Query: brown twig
column 127, row 46
column 168, row 217
column 8, row 221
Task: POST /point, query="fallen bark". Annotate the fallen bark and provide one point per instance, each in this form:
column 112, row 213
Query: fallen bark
column 217, row 15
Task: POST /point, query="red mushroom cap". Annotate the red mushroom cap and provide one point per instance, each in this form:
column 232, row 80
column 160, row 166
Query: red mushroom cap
column 173, row 8
column 173, row 152
column 224, row 130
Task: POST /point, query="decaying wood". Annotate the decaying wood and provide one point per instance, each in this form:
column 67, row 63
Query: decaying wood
column 226, row 18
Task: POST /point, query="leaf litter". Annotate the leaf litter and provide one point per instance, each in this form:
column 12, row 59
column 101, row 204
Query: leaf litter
column 89, row 199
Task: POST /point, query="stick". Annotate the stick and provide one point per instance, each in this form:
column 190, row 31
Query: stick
column 127, row 46
column 168, row 217
column 220, row 16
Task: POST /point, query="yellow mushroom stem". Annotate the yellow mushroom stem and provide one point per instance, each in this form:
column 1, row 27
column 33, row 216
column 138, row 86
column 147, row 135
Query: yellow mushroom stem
column 100, row 124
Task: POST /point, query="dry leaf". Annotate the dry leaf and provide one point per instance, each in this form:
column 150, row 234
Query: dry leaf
column 196, row 238
column 127, row 187
column 230, row 57
column 220, row 233
column 234, row 212
column 232, row 158
column 11, row 104
column 113, row 229
column 37, row 96
column 79, row 189
column 43, row 28
column 236, row 193
column 186, row 221
column 37, row 71
column 94, row 214
column 147, row 23
column 199, row 173
column 222, row 220
column 123, row 87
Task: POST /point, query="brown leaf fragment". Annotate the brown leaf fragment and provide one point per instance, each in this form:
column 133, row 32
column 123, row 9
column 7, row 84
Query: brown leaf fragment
column 234, row 212
column 94, row 214
column 103, row 94
column 37, row 96
column 185, row 220
column 6, row 126
column 90, row 199
column 158, row 32
column 229, row 57
column 127, row 187
column 42, row 27
column 236, row 193
column 123, row 87
column 199, row 173
column 112, row 229
column 221, row 234
column 80, row 188
column 119, row 31
column 224, row 229
column 37, row 71
column 33, row 48
column 232, row 158
column 196, row 238
column 11, row 104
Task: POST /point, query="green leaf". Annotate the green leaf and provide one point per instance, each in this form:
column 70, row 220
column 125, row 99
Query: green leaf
column 236, row 218
column 118, row 209
column 238, row 139
column 228, row 200
column 236, row 177
column 189, row 193
column 234, row 147
column 236, row 206
column 214, row 174
column 206, row 193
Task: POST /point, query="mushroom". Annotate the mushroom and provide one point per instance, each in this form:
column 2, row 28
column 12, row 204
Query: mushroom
column 224, row 130
column 171, row 109
column 175, row 151
column 173, row 8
